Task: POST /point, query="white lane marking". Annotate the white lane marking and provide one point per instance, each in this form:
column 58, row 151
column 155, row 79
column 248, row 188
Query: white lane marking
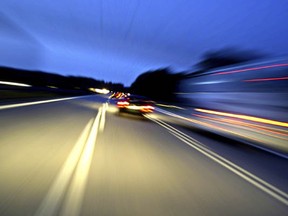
column 73, row 202
column 102, row 120
column 51, row 202
column 256, row 181
column 37, row 102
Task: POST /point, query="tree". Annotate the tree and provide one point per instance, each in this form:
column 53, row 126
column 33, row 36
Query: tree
column 159, row 84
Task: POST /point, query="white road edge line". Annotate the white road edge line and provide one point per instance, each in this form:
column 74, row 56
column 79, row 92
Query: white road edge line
column 259, row 183
column 73, row 202
column 51, row 202
column 38, row 102
column 246, row 142
column 202, row 146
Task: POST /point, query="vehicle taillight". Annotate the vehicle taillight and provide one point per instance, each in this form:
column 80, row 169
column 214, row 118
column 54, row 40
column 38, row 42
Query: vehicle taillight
column 122, row 104
column 147, row 108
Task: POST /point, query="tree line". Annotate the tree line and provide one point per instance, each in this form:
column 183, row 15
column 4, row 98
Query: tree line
column 45, row 79
column 161, row 84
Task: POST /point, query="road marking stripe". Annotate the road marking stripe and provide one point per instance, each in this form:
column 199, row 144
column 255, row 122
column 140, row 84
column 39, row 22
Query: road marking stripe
column 73, row 202
column 102, row 120
column 51, row 202
column 202, row 146
column 37, row 102
column 74, row 172
column 259, row 183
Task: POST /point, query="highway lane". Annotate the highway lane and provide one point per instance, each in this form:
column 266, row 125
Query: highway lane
column 269, row 165
column 35, row 141
column 79, row 157
column 266, row 165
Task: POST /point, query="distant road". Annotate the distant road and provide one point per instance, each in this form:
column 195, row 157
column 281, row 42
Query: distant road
column 80, row 157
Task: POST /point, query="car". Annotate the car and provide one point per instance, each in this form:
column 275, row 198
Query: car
column 135, row 104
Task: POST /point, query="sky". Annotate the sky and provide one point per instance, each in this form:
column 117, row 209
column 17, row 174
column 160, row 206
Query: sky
column 117, row 40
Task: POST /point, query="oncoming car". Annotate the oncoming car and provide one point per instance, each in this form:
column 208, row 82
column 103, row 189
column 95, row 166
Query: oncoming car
column 135, row 104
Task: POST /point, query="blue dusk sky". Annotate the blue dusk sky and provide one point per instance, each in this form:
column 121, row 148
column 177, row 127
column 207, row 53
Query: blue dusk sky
column 116, row 40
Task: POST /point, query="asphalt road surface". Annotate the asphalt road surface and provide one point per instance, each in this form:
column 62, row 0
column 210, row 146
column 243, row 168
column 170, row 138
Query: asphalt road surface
column 79, row 156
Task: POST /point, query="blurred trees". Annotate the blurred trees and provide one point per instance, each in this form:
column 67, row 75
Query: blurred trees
column 162, row 84
column 225, row 57
column 159, row 84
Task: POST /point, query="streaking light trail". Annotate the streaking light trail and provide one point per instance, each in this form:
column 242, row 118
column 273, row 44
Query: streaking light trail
column 14, row 84
column 248, row 126
column 267, row 79
column 250, row 118
column 251, row 69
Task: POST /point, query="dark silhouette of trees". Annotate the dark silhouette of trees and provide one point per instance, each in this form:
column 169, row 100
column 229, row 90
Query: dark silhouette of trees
column 226, row 57
column 160, row 84
column 43, row 79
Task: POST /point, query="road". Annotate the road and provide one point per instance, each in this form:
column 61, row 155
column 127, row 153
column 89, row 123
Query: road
column 80, row 157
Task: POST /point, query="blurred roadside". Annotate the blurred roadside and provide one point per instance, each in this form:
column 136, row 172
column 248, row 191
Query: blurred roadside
column 267, row 134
